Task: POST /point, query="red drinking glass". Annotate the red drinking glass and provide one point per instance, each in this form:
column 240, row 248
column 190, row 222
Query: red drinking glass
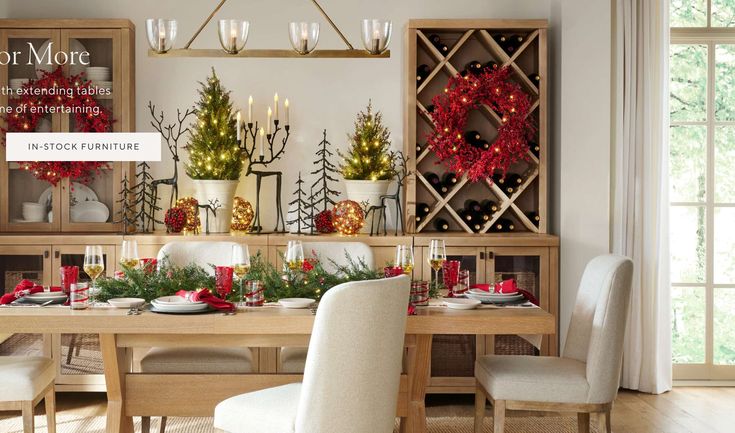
column 69, row 276
column 223, row 280
column 450, row 273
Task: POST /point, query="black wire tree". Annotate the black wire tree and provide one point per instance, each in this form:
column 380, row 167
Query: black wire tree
column 301, row 213
column 145, row 199
column 323, row 194
column 127, row 215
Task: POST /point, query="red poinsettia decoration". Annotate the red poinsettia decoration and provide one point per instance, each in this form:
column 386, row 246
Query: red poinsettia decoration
column 74, row 93
column 492, row 88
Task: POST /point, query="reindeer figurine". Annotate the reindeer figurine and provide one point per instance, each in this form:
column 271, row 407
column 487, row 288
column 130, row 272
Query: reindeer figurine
column 171, row 133
column 401, row 174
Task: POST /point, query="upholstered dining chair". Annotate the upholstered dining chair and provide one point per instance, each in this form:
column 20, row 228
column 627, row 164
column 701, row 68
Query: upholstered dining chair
column 26, row 380
column 352, row 370
column 585, row 378
column 172, row 360
column 331, row 255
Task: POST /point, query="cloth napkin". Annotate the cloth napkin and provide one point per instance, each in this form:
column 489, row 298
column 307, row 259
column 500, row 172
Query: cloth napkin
column 204, row 295
column 507, row 286
column 25, row 287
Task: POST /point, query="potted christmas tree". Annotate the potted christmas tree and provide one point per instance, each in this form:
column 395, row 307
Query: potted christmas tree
column 215, row 159
column 369, row 165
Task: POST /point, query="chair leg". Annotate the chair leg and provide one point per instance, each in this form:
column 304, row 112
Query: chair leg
column 27, row 410
column 163, row 425
column 583, row 422
column 480, row 401
column 603, row 422
column 145, row 424
column 499, row 416
column 50, row 403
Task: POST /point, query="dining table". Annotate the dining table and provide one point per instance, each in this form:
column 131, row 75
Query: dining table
column 131, row 393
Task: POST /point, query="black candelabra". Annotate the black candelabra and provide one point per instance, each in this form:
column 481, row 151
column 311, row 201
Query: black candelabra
column 274, row 151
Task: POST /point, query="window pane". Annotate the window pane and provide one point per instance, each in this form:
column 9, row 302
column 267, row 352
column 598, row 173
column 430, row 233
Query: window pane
column 724, row 245
column 725, row 164
column 687, row 165
column 687, row 244
column 687, row 325
column 688, row 13
column 723, row 13
column 688, row 70
column 724, row 343
column 725, row 82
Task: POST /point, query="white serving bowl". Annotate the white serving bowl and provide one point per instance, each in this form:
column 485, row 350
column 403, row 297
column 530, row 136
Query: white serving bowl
column 89, row 212
column 296, row 302
column 126, row 302
column 33, row 212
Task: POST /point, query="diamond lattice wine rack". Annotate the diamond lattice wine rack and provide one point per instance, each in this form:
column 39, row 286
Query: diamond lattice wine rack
column 437, row 201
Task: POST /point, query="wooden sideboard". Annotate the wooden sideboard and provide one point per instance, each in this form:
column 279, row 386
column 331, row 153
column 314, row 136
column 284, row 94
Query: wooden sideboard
column 531, row 257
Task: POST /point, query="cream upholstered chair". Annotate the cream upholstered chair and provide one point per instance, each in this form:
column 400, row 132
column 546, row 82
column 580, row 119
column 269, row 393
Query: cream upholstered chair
column 172, row 360
column 585, row 379
column 26, row 380
column 331, row 255
column 352, row 371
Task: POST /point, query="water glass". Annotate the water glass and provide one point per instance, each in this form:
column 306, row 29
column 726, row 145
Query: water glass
column 463, row 283
column 419, row 293
column 255, row 294
column 79, row 296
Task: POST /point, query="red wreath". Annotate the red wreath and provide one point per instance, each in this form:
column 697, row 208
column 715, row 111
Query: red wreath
column 78, row 94
column 495, row 89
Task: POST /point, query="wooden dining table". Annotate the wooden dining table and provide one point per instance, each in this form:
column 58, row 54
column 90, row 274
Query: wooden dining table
column 132, row 393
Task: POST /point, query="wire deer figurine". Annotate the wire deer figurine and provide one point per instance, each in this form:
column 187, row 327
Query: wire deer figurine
column 171, row 132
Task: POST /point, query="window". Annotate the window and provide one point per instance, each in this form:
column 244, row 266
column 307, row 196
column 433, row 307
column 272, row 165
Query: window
column 702, row 194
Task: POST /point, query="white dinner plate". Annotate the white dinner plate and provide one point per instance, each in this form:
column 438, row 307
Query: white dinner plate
column 75, row 69
column 80, row 193
column 126, row 302
column 183, row 308
column 461, row 303
column 486, row 293
column 42, row 297
column 494, row 299
column 296, row 302
column 174, row 300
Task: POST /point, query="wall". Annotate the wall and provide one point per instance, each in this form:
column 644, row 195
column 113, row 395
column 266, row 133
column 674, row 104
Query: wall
column 328, row 93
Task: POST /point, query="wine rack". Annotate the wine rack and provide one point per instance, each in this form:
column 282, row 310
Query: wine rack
column 439, row 50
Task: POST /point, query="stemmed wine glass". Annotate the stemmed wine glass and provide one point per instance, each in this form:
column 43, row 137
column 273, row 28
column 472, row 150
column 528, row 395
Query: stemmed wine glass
column 404, row 258
column 437, row 257
column 240, row 264
column 294, row 255
column 129, row 254
column 94, row 265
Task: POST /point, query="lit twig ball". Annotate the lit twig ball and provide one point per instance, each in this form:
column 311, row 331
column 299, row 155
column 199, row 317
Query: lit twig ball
column 242, row 215
column 191, row 206
column 348, row 217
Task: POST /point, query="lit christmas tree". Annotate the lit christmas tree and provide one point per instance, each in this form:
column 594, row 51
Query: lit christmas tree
column 369, row 156
column 214, row 152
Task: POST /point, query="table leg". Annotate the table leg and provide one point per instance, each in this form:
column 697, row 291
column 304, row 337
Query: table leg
column 116, row 366
column 418, row 358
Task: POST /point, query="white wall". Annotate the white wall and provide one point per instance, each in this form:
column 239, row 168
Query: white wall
column 328, row 93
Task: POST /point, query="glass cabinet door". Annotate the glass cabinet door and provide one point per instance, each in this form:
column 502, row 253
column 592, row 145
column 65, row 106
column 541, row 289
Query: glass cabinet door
column 94, row 206
column 28, row 204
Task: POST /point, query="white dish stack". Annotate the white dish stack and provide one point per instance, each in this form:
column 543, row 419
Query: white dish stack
column 99, row 76
column 17, row 83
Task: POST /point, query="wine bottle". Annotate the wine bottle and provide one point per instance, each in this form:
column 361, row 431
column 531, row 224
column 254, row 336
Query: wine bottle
column 466, row 215
column 472, row 206
column 441, row 225
column 449, row 180
column 435, row 182
column 498, row 180
column 430, row 108
column 534, row 148
column 422, row 209
column 472, row 138
column 489, row 207
column 513, row 179
column 500, row 38
column 473, row 67
column 483, row 144
column 435, row 39
column 443, row 48
column 492, row 66
column 517, row 39
column 422, row 72
column 476, row 227
column 419, row 148
column 507, row 224
column 534, row 217
column 535, row 78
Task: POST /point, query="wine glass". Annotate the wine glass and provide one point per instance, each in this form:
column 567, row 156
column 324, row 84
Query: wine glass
column 94, row 265
column 437, row 257
column 404, row 258
column 294, row 255
column 240, row 264
column 129, row 254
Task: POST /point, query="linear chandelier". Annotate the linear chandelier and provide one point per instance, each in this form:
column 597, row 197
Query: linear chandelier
column 233, row 35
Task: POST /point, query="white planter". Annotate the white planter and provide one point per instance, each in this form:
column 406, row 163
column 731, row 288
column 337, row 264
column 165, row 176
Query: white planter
column 224, row 192
column 367, row 191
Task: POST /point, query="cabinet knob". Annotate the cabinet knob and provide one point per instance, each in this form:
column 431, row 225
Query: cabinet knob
column 57, row 254
column 490, row 255
column 482, row 255
column 45, row 254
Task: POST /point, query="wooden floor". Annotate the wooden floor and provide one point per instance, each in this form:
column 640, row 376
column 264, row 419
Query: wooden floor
column 683, row 410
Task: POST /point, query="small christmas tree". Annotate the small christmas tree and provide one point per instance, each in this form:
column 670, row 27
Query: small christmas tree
column 214, row 152
column 323, row 194
column 300, row 214
column 127, row 210
column 369, row 155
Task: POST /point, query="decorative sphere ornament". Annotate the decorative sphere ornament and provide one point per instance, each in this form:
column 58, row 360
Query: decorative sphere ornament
column 190, row 206
column 323, row 222
column 348, row 217
column 175, row 219
column 242, row 215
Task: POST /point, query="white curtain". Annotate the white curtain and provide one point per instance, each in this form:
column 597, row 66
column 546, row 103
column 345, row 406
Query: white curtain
column 640, row 187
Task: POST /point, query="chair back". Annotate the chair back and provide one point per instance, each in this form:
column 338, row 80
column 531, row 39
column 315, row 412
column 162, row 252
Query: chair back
column 597, row 328
column 200, row 253
column 353, row 365
column 329, row 252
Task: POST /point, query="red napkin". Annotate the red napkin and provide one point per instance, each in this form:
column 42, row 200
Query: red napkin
column 411, row 310
column 204, row 295
column 507, row 286
column 25, row 287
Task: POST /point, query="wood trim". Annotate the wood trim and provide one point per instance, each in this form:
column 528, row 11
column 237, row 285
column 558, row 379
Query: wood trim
column 207, row 340
column 476, row 23
column 65, row 23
